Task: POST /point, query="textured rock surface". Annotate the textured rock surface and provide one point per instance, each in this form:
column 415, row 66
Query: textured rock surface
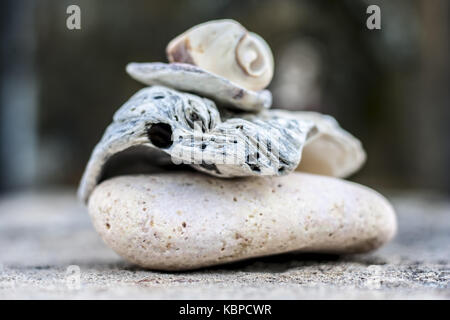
column 184, row 221
column 41, row 234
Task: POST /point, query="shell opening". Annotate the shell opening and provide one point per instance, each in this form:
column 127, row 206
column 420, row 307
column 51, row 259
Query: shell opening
column 160, row 135
column 250, row 56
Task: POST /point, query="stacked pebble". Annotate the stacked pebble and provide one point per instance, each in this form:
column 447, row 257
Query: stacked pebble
column 208, row 109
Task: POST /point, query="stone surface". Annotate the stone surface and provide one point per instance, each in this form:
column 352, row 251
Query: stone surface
column 42, row 233
column 177, row 221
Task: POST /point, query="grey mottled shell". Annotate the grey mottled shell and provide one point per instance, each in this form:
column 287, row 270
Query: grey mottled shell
column 186, row 77
column 194, row 128
column 332, row 151
column 272, row 142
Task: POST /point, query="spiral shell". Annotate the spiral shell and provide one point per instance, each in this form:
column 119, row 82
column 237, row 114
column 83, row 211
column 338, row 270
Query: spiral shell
column 225, row 48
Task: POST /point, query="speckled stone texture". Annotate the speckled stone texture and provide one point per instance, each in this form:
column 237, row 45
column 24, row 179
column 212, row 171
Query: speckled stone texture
column 41, row 234
column 179, row 221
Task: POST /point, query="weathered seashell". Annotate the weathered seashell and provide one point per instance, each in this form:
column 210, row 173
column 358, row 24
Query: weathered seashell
column 190, row 78
column 227, row 49
column 332, row 151
column 179, row 221
column 190, row 130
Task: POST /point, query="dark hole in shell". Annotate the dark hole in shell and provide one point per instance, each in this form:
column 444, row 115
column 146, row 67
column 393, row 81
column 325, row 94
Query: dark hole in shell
column 160, row 135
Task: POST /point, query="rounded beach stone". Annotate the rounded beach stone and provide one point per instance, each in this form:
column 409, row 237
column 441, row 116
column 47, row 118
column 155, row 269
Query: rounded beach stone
column 179, row 221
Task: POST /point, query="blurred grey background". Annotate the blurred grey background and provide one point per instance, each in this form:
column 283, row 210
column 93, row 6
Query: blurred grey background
column 59, row 88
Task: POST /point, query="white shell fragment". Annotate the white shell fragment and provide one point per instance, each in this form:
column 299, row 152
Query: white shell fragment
column 189, row 129
column 227, row 49
column 179, row 221
column 332, row 151
column 190, row 78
